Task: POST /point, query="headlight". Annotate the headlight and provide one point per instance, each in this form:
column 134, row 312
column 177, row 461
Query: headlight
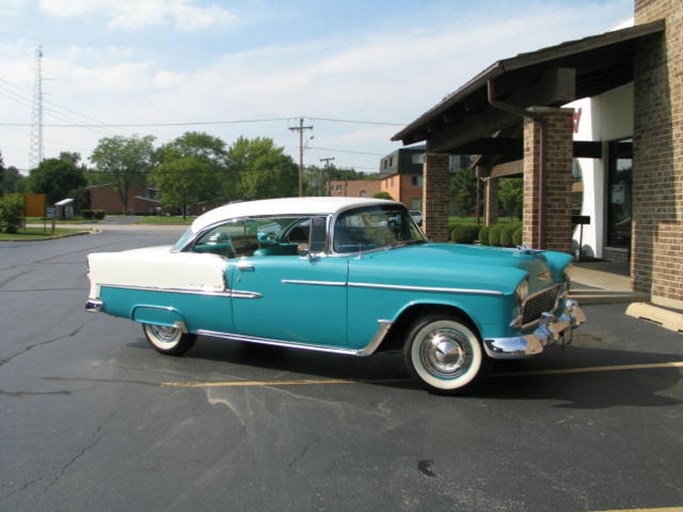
column 522, row 290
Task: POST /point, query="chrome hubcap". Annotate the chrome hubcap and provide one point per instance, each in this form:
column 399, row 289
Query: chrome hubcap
column 446, row 353
column 165, row 334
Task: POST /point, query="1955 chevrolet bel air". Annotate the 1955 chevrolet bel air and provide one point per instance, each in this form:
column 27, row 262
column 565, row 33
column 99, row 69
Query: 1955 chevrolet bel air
column 343, row 275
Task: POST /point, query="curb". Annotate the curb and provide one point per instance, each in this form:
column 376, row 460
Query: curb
column 668, row 319
column 55, row 237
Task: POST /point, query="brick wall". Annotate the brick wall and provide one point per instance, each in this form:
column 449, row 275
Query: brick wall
column 657, row 247
column 435, row 186
column 354, row 188
column 491, row 201
column 556, row 232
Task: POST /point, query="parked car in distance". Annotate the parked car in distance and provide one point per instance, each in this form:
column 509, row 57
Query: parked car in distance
column 342, row 275
column 417, row 216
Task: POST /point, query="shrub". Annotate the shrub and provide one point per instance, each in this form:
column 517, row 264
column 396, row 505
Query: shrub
column 484, row 235
column 11, row 212
column 494, row 234
column 87, row 214
column 517, row 236
column 506, row 234
column 464, row 233
column 98, row 214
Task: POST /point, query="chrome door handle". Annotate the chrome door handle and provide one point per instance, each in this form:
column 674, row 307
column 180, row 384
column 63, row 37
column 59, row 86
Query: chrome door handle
column 245, row 266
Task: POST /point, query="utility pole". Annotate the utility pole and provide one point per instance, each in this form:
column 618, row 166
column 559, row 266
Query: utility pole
column 301, row 129
column 36, row 142
column 327, row 166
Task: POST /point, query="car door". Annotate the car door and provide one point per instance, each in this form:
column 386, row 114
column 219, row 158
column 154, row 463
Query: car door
column 291, row 298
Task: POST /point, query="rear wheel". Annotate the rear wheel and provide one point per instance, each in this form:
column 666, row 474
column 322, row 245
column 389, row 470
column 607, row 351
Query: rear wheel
column 444, row 353
column 169, row 340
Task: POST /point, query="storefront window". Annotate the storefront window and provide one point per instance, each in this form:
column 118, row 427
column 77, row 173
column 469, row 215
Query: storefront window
column 619, row 193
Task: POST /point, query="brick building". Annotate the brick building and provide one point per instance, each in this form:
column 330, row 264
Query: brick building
column 142, row 200
column 528, row 115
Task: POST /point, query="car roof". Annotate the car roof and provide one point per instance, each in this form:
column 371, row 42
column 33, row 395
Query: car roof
column 288, row 206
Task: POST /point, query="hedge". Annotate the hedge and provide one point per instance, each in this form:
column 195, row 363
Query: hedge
column 465, row 233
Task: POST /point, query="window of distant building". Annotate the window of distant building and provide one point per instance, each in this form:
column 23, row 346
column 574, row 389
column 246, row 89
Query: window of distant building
column 338, row 188
column 416, row 181
column 363, row 193
column 418, row 158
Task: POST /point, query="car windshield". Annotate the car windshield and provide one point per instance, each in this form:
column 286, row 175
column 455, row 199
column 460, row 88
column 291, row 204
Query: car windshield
column 375, row 227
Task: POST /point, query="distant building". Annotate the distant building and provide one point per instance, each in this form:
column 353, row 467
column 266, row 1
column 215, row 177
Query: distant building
column 142, row 200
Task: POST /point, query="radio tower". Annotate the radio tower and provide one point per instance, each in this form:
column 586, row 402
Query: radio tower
column 36, row 151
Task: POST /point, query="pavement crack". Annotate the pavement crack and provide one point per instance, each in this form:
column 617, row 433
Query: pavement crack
column 95, row 439
column 44, row 343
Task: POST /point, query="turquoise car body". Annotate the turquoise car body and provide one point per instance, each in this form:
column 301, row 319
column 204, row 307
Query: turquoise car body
column 354, row 298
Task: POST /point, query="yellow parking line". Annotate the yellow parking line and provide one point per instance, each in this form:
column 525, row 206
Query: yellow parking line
column 256, row 383
column 318, row 382
column 663, row 509
column 595, row 369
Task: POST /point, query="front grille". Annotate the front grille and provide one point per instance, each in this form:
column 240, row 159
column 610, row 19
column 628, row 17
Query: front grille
column 537, row 303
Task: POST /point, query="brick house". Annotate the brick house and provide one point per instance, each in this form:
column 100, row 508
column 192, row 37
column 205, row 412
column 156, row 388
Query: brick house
column 142, row 200
column 528, row 115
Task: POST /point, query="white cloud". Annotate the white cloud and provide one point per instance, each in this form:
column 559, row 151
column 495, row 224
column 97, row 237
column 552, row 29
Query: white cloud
column 139, row 14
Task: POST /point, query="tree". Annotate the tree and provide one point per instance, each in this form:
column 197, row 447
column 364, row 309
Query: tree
column 125, row 161
column 464, row 190
column 263, row 168
column 382, row 194
column 193, row 168
column 184, row 182
column 57, row 178
column 12, row 181
column 511, row 196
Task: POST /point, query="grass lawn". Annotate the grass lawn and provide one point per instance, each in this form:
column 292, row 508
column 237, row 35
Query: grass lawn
column 37, row 233
column 166, row 220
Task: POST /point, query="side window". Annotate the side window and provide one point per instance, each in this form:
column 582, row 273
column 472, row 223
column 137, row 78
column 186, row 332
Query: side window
column 318, row 234
column 231, row 240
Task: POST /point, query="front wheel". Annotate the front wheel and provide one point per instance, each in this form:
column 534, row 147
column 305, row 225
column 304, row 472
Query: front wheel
column 168, row 340
column 444, row 353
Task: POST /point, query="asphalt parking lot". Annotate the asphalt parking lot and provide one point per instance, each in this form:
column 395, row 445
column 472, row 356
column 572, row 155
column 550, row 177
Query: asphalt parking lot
column 94, row 419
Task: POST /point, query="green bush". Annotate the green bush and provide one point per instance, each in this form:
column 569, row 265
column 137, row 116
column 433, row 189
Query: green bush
column 517, row 236
column 506, row 234
column 11, row 213
column 484, row 235
column 494, row 234
column 464, row 233
column 87, row 214
column 98, row 214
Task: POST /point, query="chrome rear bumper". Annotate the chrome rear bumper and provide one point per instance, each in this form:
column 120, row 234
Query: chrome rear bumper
column 550, row 330
column 94, row 306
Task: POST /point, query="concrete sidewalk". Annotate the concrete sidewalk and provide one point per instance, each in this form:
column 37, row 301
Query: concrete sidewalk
column 608, row 283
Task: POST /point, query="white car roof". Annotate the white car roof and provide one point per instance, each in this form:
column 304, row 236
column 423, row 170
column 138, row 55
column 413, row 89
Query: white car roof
column 287, row 206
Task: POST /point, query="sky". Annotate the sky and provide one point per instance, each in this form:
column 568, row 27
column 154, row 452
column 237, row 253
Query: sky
column 356, row 71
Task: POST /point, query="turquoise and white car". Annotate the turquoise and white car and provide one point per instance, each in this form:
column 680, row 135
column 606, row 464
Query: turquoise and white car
column 343, row 275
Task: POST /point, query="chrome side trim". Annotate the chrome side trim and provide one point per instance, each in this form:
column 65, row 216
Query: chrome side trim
column 466, row 291
column 369, row 349
column 313, row 283
column 278, row 343
column 238, row 294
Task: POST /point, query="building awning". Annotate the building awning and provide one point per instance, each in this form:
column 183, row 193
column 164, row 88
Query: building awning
column 466, row 123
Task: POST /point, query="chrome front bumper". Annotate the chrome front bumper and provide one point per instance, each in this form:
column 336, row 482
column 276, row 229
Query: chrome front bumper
column 550, row 330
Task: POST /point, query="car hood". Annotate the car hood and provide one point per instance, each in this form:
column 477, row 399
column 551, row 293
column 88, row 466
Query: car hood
column 468, row 266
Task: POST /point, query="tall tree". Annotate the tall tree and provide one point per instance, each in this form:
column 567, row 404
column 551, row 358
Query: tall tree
column 511, row 196
column 264, row 169
column 125, row 161
column 464, row 190
column 57, row 178
column 184, row 182
column 200, row 164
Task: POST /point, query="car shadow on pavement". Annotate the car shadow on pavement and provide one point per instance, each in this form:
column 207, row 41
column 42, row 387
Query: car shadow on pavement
column 577, row 377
